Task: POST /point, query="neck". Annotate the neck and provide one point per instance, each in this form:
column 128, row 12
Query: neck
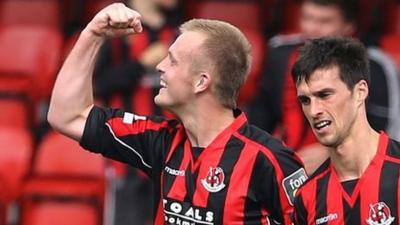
column 204, row 123
column 352, row 157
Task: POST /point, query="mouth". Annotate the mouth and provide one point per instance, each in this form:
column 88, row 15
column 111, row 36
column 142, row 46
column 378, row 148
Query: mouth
column 322, row 124
column 163, row 84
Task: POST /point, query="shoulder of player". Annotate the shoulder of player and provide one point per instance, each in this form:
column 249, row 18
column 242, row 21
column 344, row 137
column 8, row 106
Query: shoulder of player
column 116, row 117
column 393, row 150
column 321, row 172
column 264, row 143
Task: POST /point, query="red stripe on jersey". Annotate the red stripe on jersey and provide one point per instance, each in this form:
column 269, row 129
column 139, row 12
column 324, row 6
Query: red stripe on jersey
column 333, row 202
column 370, row 195
column 159, row 218
column 392, row 159
column 238, row 185
column 310, row 196
column 177, row 139
column 286, row 207
column 309, row 192
column 371, row 178
column 122, row 129
column 178, row 188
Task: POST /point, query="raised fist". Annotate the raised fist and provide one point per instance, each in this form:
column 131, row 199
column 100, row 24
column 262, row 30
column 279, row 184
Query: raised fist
column 115, row 20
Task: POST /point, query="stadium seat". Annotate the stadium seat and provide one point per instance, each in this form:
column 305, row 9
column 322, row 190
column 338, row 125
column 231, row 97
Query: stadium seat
column 74, row 161
column 59, row 213
column 390, row 44
column 243, row 14
column 15, row 156
column 29, row 60
column 27, row 12
column 14, row 113
column 248, row 90
column 63, row 169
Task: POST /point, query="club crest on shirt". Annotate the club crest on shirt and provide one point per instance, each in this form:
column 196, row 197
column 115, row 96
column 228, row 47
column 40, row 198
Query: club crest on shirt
column 379, row 214
column 214, row 181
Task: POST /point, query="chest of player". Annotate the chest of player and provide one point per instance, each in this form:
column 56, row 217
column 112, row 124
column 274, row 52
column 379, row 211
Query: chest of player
column 203, row 189
column 373, row 199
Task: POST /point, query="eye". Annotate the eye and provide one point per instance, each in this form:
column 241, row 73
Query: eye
column 171, row 61
column 304, row 100
column 324, row 94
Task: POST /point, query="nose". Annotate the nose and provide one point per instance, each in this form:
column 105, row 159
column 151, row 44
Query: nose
column 315, row 108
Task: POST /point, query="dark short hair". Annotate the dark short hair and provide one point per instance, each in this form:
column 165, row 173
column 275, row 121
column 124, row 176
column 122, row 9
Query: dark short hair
column 348, row 8
column 348, row 54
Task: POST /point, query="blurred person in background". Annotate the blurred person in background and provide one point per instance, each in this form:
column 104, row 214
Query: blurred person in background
column 276, row 108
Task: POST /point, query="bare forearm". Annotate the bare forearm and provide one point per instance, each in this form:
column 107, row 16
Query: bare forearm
column 72, row 96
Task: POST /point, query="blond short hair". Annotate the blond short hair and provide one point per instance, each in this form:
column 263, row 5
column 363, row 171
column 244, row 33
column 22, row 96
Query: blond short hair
column 228, row 51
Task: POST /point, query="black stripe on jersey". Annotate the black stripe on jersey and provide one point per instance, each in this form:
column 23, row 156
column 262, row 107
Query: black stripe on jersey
column 174, row 163
column 301, row 213
column 191, row 183
column 156, row 195
column 387, row 192
column 322, row 195
column 229, row 158
column 134, row 158
column 252, row 205
column 393, row 149
column 288, row 164
column 353, row 215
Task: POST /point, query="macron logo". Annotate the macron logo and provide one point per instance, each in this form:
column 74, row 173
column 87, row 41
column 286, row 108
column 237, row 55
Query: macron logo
column 325, row 219
column 174, row 171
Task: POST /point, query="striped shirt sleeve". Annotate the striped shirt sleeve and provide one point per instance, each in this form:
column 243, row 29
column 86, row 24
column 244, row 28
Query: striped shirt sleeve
column 284, row 176
column 136, row 140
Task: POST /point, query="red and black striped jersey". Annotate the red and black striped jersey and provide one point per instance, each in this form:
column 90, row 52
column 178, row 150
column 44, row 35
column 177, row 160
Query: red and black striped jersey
column 373, row 200
column 242, row 177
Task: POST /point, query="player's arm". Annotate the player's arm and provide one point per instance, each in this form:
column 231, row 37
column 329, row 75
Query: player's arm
column 282, row 175
column 72, row 97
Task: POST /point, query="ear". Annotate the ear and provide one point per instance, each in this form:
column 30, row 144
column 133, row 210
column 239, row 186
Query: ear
column 202, row 82
column 361, row 91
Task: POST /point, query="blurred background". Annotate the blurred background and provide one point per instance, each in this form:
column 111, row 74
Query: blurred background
column 46, row 178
